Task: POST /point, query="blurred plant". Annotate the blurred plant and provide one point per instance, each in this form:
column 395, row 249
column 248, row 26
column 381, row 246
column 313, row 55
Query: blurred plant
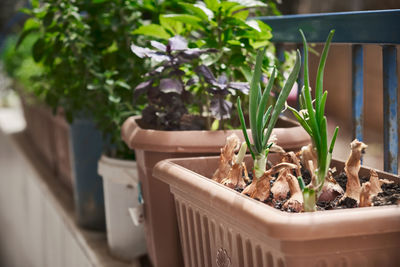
column 84, row 48
column 18, row 62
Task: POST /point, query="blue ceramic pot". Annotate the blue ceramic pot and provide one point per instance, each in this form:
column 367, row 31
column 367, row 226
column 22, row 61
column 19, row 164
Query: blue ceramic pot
column 86, row 148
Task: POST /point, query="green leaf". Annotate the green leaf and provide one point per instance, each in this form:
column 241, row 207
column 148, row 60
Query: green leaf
column 243, row 125
column 188, row 19
column 253, row 24
column 246, row 71
column 242, row 14
column 214, row 125
column 323, row 149
column 23, row 35
column 212, row 4
column 254, row 99
column 114, row 99
column 173, row 26
column 266, row 118
column 258, row 44
column 123, row 84
column 200, row 11
column 283, row 95
column 250, row 3
column 307, row 95
column 263, row 103
column 300, row 119
column 35, row 3
column 111, row 49
column 301, row 183
column 153, row 30
column 321, row 109
column 333, row 140
column 38, row 50
column 320, row 73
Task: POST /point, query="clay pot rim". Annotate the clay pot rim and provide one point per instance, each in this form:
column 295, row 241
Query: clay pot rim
column 275, row 223
column 193, row 141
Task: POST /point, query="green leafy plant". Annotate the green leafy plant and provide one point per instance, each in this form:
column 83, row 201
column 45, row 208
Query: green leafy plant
column 312, row 119
column 262, row 120
column 224, row 26
column 18, row 61
column 84, row 47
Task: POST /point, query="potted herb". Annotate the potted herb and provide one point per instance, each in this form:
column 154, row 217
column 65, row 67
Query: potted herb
column 83, row 47
column 189, row 92
column 228, row 228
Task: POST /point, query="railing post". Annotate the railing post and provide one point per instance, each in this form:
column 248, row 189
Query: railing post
column 390, row 118
column 280, row 52
column 357, row 91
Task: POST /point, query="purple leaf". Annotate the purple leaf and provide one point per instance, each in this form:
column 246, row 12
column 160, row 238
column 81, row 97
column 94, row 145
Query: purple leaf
column 143, row 87
column 204, row 71
column 146, row 52
column 171, row 86
column 159, row 46
column 141, row 51
column 177, row 43
column 220, row 108
column 223, row 79
column 156, row 71
column 240, row 86
column 194, row 53
column 192, row 81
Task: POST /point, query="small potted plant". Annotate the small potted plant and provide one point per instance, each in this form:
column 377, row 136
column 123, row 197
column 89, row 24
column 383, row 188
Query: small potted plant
column 262, row 217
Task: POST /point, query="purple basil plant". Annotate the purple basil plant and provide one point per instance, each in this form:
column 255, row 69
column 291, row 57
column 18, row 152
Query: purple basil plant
column 168, row 86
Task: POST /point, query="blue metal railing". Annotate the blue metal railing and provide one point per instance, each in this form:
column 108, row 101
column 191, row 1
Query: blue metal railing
column 356, row 28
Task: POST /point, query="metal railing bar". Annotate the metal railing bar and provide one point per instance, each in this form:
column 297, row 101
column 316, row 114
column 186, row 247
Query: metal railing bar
column 380, row 27
column 390, row 117
column 358, row 91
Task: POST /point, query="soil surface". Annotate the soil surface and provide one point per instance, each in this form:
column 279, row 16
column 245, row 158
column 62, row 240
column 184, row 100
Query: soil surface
column 389, row 196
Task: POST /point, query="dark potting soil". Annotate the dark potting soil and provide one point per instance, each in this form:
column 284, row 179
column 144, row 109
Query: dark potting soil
column 389, row 196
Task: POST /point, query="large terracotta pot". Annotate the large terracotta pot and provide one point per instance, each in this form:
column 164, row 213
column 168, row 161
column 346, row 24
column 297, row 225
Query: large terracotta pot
column 220, row 227
column 152, row 146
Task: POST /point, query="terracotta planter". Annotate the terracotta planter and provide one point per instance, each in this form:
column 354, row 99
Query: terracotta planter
column 152, row 146
column 125, row 240
column 40, row 131
column 49, row 135
column 220, row 227
column 62, row 149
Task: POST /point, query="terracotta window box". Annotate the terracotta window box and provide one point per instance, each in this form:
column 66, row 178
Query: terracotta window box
column 221, row 227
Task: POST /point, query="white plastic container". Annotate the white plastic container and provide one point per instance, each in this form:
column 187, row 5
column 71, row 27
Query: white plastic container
column 125, row 240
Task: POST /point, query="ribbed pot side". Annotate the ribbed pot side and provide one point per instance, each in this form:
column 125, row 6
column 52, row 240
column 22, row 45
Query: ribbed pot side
column 220, row 227
column 152, row 146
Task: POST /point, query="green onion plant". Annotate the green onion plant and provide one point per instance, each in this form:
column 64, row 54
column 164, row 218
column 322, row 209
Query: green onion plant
column 313, row 120
column 262, row 118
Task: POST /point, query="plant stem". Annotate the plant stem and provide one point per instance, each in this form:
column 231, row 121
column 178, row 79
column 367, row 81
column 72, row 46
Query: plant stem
column 309, row 200
column 260, row 164
column 208, row 109
column 241, row 153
